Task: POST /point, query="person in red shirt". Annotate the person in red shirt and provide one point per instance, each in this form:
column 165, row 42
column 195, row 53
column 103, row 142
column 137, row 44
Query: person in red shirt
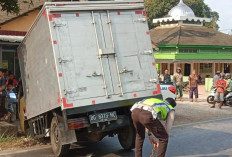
column 12, row 77
column 221, row 86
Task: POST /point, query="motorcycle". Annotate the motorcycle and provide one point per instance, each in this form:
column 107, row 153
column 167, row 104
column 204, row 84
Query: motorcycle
column 227, row 98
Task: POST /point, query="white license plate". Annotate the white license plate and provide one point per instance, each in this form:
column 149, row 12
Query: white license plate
column 102, row 117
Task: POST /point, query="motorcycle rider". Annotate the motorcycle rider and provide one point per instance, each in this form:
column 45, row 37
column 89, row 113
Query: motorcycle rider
column 228, row 82
column 215, row 78
column 219, row 95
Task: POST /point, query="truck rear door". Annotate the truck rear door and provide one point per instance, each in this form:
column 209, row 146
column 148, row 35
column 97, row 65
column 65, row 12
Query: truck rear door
column 126, row 43
column 104, row 53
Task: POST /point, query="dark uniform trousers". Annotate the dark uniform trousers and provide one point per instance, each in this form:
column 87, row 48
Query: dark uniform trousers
column 143, row 119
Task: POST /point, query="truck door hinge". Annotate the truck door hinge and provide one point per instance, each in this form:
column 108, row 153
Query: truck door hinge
column 62, row 60
column 94, row 74
column 69, row 91
column 124, row 70
column 59, row 24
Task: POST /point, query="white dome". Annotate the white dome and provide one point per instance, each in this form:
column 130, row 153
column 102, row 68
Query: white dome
column 181, row 10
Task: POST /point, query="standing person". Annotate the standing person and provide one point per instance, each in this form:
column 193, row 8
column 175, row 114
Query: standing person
column 10, row 102
column 199, row 79
column 215, row 78
column 3, row 110
column 193, row 86
column 147, row 114
column 166, row 76
column 6, row 74
column 178, row 80
column 228, row 84
column 12, row 77
column 221, row 86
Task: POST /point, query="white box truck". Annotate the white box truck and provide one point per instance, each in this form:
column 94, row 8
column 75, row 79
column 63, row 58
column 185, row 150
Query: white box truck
column 83, row 65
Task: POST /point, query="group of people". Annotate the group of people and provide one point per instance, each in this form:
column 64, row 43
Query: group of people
column 178, row 80
column 146, row 114
column 8, row 85
column 222, row 83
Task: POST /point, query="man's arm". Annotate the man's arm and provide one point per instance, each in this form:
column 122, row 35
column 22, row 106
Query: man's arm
column 2, row 88
column 189, row 79
column 169, row 121
column 174, row 78
column 151, row 139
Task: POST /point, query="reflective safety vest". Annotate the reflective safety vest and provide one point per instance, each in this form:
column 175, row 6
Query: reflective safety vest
column 161, row 108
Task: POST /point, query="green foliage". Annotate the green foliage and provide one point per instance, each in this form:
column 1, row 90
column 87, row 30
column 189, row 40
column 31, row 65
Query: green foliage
column 11, row 6
column 160, row 8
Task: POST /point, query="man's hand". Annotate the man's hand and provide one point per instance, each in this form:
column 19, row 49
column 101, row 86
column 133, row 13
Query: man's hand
column 153, row 141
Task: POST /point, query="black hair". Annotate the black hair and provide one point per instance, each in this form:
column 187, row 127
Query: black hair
column 1, row 69
column 171, row 101
column 5, row 70
column 10, row 82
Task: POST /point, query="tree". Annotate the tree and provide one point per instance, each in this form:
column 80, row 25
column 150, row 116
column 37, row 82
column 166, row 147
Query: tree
column 10, row 6
column 160, row 8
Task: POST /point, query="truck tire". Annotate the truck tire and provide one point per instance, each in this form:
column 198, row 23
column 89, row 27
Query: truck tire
column 58, row 149
column 126, row 137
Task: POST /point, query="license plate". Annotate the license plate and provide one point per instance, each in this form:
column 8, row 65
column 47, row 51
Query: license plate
column 102, row 117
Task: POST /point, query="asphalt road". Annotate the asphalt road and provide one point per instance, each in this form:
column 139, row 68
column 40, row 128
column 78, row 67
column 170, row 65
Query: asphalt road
column 196, row 133
column 210, row 138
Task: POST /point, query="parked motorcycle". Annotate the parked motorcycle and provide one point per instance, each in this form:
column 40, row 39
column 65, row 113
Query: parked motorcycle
column 227, row 98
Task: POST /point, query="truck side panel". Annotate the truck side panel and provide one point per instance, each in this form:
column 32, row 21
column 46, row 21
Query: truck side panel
column 38, row 69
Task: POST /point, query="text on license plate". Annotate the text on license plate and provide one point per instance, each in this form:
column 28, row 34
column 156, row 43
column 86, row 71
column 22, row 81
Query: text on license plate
column 102, row 117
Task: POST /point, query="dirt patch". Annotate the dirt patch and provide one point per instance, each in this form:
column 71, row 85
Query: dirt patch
column 11, row 143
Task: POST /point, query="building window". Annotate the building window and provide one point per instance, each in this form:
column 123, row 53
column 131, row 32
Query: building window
column 188, row 50
column 206, row 68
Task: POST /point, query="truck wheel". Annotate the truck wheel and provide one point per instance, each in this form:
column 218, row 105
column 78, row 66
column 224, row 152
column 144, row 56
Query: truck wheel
column 57, row 147
column 126, row 137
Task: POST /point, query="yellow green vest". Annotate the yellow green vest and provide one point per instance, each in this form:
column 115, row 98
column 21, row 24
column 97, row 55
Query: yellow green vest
column 160, row 107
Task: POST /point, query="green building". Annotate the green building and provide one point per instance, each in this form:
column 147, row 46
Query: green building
column 182, row 40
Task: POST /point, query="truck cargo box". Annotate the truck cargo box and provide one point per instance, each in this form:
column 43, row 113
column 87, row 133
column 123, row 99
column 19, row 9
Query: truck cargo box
column 85, row 56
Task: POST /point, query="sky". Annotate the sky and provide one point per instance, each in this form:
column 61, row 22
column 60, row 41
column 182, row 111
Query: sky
column 224, row 8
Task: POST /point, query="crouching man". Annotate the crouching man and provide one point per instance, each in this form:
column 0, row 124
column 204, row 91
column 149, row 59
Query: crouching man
column 147, row 114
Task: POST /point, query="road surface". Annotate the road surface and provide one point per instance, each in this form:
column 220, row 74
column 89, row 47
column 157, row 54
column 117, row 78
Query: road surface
column 211, row 138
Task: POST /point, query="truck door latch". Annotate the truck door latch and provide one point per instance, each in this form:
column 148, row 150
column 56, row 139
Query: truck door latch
column 61, row 60
column 124, row 70
column 58, row 24
column 94, row 74
column 69, row 91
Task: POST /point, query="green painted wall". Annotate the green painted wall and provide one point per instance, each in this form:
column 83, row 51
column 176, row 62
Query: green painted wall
column 203, row 53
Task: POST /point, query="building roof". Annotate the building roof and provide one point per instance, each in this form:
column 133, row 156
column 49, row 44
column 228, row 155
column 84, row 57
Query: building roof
column 181, row 10
column 24, row 8
column 189, row 35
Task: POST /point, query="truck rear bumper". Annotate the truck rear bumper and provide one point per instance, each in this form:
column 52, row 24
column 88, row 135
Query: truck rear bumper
column 105, row 106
